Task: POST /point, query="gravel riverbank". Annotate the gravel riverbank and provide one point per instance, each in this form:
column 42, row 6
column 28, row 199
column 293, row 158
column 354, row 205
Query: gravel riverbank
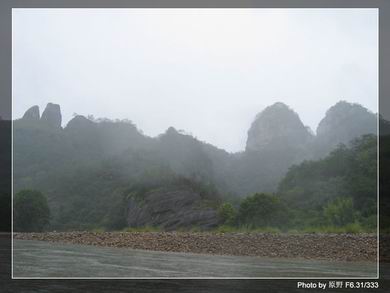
column 343, row 247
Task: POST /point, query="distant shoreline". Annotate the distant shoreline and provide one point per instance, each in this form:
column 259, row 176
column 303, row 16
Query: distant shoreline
column 338, row 247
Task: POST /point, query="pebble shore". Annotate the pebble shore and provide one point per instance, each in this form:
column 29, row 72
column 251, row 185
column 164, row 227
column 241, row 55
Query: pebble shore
column 341, row 247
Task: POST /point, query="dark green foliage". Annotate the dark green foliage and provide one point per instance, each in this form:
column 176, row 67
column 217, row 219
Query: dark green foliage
column 362, row 175
column 90, row 168
column 116, row 217
column 95, row 195
column 340, row 212
column 31, row 211
column 227, row 214
column 262, row 210
column 344, row 184
column 165, row 180
column 86, row 167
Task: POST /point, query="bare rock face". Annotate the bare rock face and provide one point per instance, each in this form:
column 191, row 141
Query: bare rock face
column 32, row 114
column 343, row 122
column 277, row 127
column 52, row 115
column 170, row 209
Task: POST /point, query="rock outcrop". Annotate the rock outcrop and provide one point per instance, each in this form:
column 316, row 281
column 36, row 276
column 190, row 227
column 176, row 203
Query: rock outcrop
column 343, row 122
column 32, row 114
column 114, row 154
column 170, row 209
column 277, row 127
column 52, row 115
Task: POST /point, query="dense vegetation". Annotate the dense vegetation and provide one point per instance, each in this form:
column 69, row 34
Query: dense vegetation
column 89, row 169
column 348, row 176
column 337, row 191
column 31, row 211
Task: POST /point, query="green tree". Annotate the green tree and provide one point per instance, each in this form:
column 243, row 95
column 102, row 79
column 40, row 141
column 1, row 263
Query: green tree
column 227, row 214
column 348, row 170
column 31, row 211
column 263, row 210
column 340, row 212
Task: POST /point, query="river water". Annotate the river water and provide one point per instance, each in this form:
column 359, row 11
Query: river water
column 52, row 260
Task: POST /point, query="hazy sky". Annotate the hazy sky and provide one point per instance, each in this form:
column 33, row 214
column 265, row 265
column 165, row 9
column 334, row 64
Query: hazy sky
column 207, row 71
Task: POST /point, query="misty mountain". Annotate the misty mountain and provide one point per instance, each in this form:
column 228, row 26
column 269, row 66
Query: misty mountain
column 344, row 171
column 276, row 140
column 277, row 127
column 342, row 123
column 86, row 167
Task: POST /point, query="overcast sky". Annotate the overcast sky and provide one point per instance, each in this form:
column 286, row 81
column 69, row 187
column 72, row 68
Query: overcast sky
column 206, row 71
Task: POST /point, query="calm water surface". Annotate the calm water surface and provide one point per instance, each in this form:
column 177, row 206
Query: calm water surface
column 45, row 259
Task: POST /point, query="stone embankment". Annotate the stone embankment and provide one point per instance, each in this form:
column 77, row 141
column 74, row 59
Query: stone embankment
column 342, row 247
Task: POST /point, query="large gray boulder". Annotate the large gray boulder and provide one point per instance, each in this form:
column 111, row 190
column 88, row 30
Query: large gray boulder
column 170, row 209
column 32, row 114
column 277, row 127
column 52, row 115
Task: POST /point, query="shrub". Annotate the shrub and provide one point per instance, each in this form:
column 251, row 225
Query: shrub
column 340, row 212
column 227, row 214
column 263, row 210
column 31, row 211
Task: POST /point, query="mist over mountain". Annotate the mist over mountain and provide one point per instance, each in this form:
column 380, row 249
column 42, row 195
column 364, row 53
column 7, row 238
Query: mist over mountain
column 343, row 122
column 52, row 115
column 277, row 127
column 86, row 167
column 32, row 114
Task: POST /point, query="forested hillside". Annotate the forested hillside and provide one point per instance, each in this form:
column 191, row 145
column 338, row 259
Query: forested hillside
column 88, row 168
column 346, row 179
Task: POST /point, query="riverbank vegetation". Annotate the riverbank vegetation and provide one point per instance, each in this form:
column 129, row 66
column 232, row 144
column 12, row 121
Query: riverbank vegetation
column 336, row 194
column 106, row 174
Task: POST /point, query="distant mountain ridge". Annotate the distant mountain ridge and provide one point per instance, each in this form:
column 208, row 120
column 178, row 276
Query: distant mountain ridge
column 89, row 162
column 342, row 123
column 277, row 126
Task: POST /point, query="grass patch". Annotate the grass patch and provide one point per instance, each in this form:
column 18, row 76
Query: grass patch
column 246, row 229
column 98, row 230
column 353, row 228
column 143, row 229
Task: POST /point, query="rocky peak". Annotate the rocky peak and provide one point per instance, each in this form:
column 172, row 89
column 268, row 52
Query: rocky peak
column 79, row 122
column 277, row 126
column 52, row 115
column 32, row 113
column 345, row 121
